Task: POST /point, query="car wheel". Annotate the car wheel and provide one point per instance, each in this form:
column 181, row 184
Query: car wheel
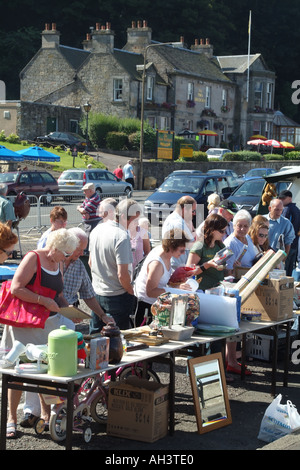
column 127, row 192
column 46, row 200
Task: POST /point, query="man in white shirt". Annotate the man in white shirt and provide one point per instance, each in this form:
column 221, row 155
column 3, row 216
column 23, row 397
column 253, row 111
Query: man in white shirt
column 182, row 218
column 111, row 264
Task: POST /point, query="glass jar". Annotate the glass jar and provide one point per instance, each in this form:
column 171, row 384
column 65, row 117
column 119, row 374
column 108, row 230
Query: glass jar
column 115, row 342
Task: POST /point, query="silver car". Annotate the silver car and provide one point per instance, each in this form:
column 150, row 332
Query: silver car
column 72, row 182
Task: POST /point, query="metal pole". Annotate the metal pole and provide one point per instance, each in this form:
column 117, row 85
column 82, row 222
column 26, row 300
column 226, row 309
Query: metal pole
column 142, row 110
column 87, row 132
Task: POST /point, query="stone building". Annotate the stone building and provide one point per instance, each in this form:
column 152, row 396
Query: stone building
column 185, row 88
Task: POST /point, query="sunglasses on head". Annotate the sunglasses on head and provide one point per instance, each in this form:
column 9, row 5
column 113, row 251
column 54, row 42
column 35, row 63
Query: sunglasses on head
column 8, row 253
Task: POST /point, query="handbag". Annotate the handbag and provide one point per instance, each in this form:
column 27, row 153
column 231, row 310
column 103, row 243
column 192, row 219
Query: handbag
column 19, row 313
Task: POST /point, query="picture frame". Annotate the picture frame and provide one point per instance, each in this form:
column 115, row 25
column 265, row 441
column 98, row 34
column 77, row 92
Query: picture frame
column 209, row 391
column 178, row 311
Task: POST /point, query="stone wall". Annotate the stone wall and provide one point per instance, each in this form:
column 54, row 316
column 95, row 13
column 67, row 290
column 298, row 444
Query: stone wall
column 160, row 170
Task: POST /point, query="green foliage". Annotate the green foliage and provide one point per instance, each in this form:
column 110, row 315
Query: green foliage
column 200, row 156
column 13, row 138
column 273, row 156
column 293, row 155
column 2, row 136
column 243, row 156
column 149, row 140
column 116, row 141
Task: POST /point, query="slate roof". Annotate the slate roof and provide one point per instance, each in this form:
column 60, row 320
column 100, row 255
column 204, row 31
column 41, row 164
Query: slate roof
column 236, row 63
column 281, row 120
column 74, row 56
column 187, row 62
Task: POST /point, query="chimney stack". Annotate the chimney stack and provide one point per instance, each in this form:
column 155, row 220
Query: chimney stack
column 204, row 47
column 139, row 36
column 50, row 37
column 103, row 39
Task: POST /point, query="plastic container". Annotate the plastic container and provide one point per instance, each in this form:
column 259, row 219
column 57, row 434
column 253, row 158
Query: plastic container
column 62, row 352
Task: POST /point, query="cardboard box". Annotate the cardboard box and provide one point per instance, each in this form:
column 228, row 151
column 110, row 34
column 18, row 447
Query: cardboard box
column 138, row 409
column 273, row 299
column 99, row 353
column 239, row 271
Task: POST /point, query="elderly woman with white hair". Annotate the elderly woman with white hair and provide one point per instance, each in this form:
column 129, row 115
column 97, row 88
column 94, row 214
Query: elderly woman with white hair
column 240, row 242
column 60, row 245
column 244, row 255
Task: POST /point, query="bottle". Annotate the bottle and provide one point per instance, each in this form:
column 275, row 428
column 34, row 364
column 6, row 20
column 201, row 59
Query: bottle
column 124, row 344
column 115, row 342
column 62, row 352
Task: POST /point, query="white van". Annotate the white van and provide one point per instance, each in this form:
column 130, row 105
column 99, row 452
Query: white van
column 216, row 153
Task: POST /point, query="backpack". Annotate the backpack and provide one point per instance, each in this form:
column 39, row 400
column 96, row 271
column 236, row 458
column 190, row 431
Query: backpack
column 21, row 206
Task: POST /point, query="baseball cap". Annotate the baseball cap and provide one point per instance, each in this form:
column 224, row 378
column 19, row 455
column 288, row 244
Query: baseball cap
column 230, row 206
column 285, row 193
column 89, row 186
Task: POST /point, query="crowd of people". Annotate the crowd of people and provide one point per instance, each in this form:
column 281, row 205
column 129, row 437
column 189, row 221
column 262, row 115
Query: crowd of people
column 117, row 241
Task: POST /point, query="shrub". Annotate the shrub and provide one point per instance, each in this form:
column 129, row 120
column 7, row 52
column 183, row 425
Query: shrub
column 243, row 156
column 273, row 156
column 116, row 140
column 292, row 155
column 149, row 140
column 13, row 138
column 200, row 156
column 2, row 136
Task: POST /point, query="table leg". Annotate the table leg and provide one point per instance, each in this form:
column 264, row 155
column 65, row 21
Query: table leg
column 69, row 430
column 4, row 398
column 287, row 354
column 172, row 393
column 274, row 359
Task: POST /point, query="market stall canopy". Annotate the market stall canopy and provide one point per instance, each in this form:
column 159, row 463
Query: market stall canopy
column 256, row 142
column 38, row 154
column 287, row 145
column 9, row 155
column 258, row 136
column 208, row 132
column 272, row 143
column 186, row 132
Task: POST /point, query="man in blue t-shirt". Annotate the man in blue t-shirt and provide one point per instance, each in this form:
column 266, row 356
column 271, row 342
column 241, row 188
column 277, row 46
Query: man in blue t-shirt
column 129, row 173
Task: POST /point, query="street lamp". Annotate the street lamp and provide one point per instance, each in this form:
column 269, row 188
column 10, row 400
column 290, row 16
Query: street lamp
column 87, row 108
column 143, row 107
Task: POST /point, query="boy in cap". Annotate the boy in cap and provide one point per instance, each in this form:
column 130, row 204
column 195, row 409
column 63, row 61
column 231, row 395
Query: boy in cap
column 88, row 208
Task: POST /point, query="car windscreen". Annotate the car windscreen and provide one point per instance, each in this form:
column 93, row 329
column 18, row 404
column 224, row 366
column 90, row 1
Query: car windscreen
column 213, row 152
column 71, row 176
column 250, row 188
column 8, row 177
column 181, row 184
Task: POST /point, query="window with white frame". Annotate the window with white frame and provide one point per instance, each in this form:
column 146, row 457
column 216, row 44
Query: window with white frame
column 149, row 87
column 224, row 97
column 268, row 130
column 164, row 123
column 118, row 87
column 190, row 94
column 269, row 101
column 258, row 94
column 207, row 96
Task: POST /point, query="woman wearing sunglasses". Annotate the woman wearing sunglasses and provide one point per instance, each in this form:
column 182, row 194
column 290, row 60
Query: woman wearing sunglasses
column 203, row 252
column 7, row 242
column 60, row 244
column 259, row 233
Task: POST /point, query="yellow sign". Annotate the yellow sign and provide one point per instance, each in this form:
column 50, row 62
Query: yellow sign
column 165, row 145
column 186, row 150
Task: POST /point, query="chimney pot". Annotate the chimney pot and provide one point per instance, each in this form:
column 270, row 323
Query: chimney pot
column 133, row 24
column 196, row 42
column 47, row 26
column 182, row 39
column 97, row 26
column 201, row 42
column 53, row 26
column 145, row 24
column 207, row 41
column 88, row 36
column 108, row 25
column 139, row 24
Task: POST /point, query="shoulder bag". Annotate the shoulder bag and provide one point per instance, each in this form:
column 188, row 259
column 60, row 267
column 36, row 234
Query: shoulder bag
column 22, row 314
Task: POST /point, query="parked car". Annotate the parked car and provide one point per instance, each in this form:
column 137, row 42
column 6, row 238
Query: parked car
column 229, row 173
column 188, row 182
column 35, row 183
column 255, row 172
column 72, row 181
column 248, row 195
column 216, row 153
column 66, row 139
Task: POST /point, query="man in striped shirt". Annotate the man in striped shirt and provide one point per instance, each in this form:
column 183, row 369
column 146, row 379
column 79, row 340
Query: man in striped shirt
column 89, row 207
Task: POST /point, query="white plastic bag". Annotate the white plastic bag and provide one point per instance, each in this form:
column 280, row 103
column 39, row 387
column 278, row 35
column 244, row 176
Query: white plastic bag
column 278, row 420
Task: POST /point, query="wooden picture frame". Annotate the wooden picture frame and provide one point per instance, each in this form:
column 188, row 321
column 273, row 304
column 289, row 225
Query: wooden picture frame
column 209, row 392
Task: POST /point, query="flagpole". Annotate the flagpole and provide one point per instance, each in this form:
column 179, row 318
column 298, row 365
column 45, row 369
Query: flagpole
column 249, row 42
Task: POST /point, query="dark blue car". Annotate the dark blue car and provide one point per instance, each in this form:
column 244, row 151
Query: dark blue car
column 186, row 182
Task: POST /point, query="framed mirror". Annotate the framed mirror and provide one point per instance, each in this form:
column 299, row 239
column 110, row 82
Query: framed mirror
column 209, row 392
column 178, row 310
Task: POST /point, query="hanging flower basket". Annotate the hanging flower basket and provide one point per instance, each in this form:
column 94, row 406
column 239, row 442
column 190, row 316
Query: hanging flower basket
column 225, row 109
column 190, row 104
column 208, row 112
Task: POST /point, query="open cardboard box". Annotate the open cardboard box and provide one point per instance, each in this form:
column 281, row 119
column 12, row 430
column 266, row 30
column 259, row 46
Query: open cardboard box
column 176, row 330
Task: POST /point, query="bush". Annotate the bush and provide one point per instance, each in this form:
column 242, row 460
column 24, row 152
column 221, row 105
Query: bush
column 273, row 156
column 292, row 155
column 200, row 157
column 116, row 140
column 13, row 138
column 243, row 156
column 2, row 136
column 149, row 140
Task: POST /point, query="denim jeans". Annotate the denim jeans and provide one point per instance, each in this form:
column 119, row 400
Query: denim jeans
column 290, row 261
column 118, row 306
